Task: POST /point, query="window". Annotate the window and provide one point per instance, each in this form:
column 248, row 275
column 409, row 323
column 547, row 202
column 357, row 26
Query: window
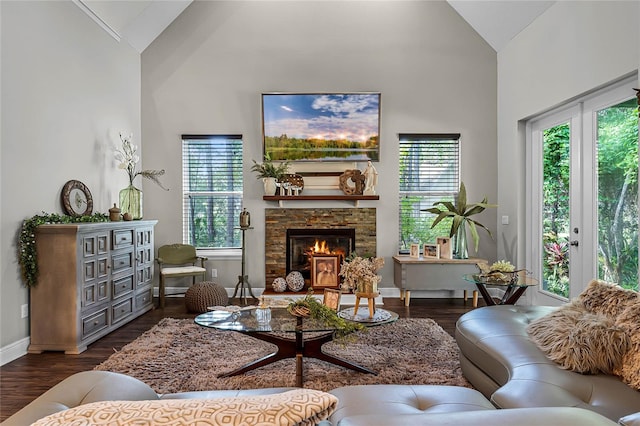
column 212, row 190
column 429, row 172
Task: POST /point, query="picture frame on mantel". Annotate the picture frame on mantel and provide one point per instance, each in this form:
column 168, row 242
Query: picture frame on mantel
column 414, row 251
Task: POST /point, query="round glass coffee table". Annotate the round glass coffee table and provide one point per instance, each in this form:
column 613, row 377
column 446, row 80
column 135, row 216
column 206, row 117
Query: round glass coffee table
column 512, row 290
column 295, row 337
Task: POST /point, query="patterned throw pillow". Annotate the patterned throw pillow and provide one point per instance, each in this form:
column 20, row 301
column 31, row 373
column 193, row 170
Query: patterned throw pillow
column 297, row 407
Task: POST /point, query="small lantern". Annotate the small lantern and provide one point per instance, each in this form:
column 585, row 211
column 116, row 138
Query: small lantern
column 245, row 219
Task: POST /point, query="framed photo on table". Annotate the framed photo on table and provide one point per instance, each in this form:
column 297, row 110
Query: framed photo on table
column 446, row 249
column 431, row 251
column 324, row 271
column 414, row 251
column 332, row 299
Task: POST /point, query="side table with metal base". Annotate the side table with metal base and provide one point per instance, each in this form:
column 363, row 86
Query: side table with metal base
column 243, row 279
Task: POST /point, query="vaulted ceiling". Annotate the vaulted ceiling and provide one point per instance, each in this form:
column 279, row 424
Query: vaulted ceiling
column 139, row 22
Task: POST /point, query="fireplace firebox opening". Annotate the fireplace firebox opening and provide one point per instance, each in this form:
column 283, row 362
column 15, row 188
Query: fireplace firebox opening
column 305, row 244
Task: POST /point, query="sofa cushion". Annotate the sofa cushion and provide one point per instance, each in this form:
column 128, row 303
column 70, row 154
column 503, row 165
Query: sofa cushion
column 385, row 400
column 629, row 369
column 556, row 416
column 606, row 298
column 580, row 341
column 296, row 407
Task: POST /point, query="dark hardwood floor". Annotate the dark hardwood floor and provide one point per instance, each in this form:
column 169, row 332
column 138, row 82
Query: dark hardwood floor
column 24, row 379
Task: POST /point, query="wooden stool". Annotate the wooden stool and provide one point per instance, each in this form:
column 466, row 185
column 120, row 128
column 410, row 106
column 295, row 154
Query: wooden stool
column 371, row 301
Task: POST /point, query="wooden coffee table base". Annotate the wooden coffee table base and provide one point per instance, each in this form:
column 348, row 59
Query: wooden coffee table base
column 298, row 349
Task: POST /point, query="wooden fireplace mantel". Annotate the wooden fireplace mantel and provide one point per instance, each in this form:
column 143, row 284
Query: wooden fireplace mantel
column 355, row 198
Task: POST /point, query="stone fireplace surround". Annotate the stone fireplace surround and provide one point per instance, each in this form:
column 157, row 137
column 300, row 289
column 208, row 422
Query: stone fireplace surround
column 278, row 220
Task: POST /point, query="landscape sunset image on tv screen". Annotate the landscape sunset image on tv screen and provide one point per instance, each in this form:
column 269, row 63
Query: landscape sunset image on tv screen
column 321, row 127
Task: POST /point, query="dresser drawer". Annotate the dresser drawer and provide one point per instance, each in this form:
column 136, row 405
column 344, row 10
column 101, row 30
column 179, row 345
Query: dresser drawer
column 121, row 310
column 122, row 286
column 122, row 261
column 122, row 238
column 144, row 299
column 95, row 322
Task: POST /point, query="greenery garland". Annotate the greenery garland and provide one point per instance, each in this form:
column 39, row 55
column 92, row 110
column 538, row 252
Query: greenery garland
column 27, row 256
column 321, row 312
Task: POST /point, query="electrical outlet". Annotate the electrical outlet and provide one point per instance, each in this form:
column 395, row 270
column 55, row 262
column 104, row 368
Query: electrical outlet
column 214, row 273
column 24, row 311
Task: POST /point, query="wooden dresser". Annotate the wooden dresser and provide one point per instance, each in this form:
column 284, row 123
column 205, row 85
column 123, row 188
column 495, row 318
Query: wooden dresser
column 93, row 278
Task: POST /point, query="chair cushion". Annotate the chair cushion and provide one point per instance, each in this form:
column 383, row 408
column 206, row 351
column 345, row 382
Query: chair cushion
column 182, row 270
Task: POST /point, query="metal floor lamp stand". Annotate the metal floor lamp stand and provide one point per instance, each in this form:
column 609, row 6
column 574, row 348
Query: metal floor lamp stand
column 243, row 279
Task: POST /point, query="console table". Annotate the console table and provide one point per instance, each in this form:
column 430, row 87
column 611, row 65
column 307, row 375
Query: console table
column 410, row 273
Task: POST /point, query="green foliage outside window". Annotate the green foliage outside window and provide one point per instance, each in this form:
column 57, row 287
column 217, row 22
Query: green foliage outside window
column 415, row 226
column 555, row 210
column 617, row 190
column 618, row 194
column 213, row 187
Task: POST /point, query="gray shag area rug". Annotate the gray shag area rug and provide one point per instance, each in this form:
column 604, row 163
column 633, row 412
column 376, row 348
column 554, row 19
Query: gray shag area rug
column 177, row 355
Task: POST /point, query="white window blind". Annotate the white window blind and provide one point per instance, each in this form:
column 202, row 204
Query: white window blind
column 429, row 172
column 212, row 190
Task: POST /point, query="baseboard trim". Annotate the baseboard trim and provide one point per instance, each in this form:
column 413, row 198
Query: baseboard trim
column 346, row 299
column 14, row 350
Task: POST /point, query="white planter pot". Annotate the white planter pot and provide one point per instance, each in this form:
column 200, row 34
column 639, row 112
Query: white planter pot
column 269, row 185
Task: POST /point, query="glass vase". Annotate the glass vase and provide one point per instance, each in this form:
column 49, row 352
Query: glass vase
column 131, row 201
column 460, row 247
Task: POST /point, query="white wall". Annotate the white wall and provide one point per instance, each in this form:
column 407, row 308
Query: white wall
column 571, row 49
column 67, row 89
column 206, row 72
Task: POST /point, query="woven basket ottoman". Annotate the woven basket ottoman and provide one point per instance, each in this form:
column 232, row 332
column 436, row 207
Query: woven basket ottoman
column 204, row 294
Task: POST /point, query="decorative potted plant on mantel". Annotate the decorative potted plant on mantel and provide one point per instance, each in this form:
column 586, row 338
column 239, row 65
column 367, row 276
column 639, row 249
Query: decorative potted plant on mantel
column 461, row 213
column 270, row 173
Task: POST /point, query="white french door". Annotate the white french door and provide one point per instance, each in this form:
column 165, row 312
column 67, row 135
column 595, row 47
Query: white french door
column 582, row 180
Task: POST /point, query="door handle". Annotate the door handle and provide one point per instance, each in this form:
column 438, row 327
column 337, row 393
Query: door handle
column 574, row 243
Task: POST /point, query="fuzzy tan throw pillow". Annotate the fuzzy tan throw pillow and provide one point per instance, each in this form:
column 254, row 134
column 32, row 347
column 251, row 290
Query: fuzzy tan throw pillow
column 606, row 298
column 629, row 371
column 580, row 341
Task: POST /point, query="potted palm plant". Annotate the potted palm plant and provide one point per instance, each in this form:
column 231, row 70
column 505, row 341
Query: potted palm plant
column 270, row 173
column 460, row 212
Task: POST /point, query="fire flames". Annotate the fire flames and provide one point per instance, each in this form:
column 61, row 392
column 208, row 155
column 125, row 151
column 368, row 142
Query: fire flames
column 321, row 247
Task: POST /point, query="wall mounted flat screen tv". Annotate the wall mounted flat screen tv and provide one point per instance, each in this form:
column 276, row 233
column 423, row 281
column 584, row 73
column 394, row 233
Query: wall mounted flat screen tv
column 321, row 126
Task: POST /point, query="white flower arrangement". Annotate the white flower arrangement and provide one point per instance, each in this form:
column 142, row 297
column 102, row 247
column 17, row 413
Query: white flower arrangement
column 127, row 157
column 358, row 271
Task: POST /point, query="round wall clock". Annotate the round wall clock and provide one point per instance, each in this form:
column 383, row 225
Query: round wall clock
column 76, row 199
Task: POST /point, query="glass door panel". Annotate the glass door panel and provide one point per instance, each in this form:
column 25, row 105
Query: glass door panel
column 617, row 151
column 555, row 209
